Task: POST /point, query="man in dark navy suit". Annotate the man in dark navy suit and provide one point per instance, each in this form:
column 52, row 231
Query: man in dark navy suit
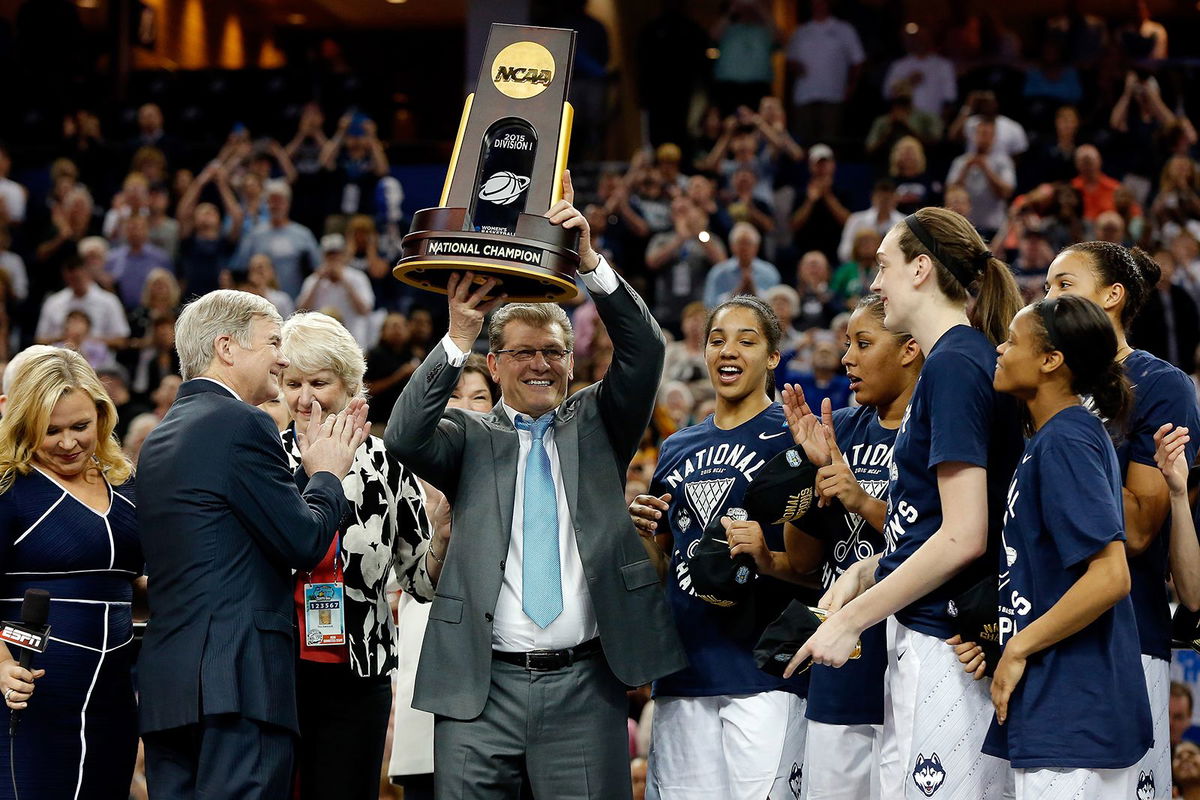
column 222, row 524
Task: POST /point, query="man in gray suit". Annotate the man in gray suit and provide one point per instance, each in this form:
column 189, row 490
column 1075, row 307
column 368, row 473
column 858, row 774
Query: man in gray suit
column 547, row 607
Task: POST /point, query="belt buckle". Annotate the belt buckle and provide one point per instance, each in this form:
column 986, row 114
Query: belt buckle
column 543, row 660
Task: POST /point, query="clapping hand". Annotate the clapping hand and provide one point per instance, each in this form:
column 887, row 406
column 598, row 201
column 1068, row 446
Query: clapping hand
column 836, row 479
column 804, row 425
column 329, row 446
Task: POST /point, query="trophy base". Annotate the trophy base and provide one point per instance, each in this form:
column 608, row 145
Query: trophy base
column 537, row 265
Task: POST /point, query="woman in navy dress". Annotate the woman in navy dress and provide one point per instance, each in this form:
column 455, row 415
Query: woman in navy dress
column 67, row 525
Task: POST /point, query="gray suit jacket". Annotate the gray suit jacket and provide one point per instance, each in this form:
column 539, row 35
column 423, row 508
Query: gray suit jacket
column 472, row 457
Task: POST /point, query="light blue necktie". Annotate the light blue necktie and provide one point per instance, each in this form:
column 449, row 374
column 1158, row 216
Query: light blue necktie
column 541, row 577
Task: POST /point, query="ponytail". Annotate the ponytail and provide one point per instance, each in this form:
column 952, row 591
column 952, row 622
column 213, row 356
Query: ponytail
column 962, row 262
column 1111, row 394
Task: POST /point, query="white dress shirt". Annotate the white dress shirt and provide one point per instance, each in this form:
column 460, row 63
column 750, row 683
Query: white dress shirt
column 512, row 630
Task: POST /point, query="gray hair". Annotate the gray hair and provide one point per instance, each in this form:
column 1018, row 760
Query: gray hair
column 538, row 315
column 313, row 341
column 787, row 293
column 224, row 312
column 277, row 186
column 745, row 229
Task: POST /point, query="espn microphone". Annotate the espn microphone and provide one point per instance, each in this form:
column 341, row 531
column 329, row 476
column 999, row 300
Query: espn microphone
column 35, row 608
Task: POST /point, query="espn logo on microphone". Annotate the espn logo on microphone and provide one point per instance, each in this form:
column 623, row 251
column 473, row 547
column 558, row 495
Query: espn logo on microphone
column 16, row 634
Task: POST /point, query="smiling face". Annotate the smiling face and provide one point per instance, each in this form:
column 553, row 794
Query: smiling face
column 257, row 368
column 324, row 386
column 536, row 386
column 69, row 443
column 471, row 394
column 737, row 354
column 1023, row 361
column 1071, row 273
column 894, row 282
column 874, row 360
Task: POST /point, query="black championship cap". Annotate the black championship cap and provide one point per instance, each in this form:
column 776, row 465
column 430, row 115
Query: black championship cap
column 782, row 638
column 717, row 578
column 783, row 490
column 976, row 616
column 1185, row 629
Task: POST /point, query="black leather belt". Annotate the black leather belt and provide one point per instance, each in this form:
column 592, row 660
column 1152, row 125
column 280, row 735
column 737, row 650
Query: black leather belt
column 548, row 660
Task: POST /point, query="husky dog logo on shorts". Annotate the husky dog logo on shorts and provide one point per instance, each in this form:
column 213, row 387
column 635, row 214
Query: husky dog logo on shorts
column 928, row 774
column 1145, row 789
column 794, row 778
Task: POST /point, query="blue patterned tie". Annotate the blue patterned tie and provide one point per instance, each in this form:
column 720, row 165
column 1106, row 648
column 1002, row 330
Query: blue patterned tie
column 541, row 578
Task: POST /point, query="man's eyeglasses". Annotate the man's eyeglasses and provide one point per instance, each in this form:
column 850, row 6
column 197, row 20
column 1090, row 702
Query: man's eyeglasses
column 551, row 354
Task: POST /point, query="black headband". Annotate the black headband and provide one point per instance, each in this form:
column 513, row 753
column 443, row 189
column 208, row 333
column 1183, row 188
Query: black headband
column 965, row 272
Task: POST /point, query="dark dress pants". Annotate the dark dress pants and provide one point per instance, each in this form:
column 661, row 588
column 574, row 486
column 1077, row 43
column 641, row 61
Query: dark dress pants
column 224, row 757
column 343, row 728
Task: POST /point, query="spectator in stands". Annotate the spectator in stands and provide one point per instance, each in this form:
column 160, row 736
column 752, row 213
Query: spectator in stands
column 1140, row 117
column 880, row 217
column 703, row 193
column 72, row 221
column 785, row 302
column 1185, row 770
column 646, row 195
column 928, row 77
column 685, row 356
column 150, row 163
column 745, row 38
column 854, row 277
column 1096, row 188
column 681, row 258
column 1010, row 137
column 1052, row 78
column 825, row 379
column 988, row 175
column 163, row 229
column 958, row 200
column 390, row 363
column 1176, row 207
column 131, row 263
column 818, row 221
column 82, row 294
column 77, row 336
column 13, row 266
column 356, row 158
column 260, row 279
column 115, row 379
column 1034, row 254
column 1054, row 159
column 738, row 149
column 157, row 358
column 771, row 121
column 900, row 122
column 818, row 306
column 667, row 157
column 1169, row 323
column 915, row 187
column 132, row 201
column 746, row 206
column 139, row 428
column 253, row 203
column 825, row 58
column 1131, row 214
column 204, row 250
column 348, row 291
column 161, row 297
column 744, row 272
column 1180, row 711
column 1110, row 227
column 150, row 132
column 12, row 194
column 291, row 246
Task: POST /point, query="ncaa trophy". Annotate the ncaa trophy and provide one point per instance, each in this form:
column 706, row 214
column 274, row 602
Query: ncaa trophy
column 505, row 171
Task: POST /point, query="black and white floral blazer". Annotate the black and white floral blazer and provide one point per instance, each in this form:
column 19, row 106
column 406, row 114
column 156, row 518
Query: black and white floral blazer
column 388, row 529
